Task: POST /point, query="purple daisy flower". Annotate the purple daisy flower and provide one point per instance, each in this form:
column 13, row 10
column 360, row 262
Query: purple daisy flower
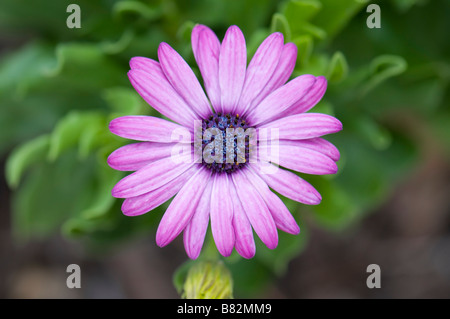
column 234, row 195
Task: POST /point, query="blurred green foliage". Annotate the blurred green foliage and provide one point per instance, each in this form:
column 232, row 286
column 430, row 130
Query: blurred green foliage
column 60, row 87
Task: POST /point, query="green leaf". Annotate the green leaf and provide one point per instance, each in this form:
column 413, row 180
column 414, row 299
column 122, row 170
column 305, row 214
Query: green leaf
column 337, row 209
column 298, row 11
column 315, row 31
column 382, row 68
column 305, row 45
column 114, row 47
column 105, row 180
column 32, row 101
column 280, row 24
column 93, row 134
column 180, row 275
column 136, row 8
column 24, row 68
column 78, row 227
column 378, row 136
column 125, row 101
column 297, row 14
column 51, row 194
column 68, row 131
column 336, row 14
column 317, row 65
column 337, row 68
column 84, row 66
column 366, row 177
column 185, row 30
column 24, row 156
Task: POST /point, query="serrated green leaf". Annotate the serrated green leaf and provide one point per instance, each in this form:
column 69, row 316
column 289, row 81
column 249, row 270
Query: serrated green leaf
column 69, row 129
column 105, row 179
column 91, row 136
column 51, row 194
column 25, row 155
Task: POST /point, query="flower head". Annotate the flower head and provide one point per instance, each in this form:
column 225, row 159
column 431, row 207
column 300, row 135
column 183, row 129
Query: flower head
column 219, row 160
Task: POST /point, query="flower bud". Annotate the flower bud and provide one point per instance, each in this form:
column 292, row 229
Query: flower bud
column 208, row 280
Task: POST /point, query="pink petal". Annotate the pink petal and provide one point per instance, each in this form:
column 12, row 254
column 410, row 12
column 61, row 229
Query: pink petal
column 317, row 144
column 310, row 99
column 298, row 158
column 222, row 215
column 148, row 128
column 195, row 231
column 151, row 177
column 245, row 243
column 256, row 210
column 206, row 48
column 304, row 126
column 282, row 73
column 146, row 64
column 182, row 208
column 290, row 185
column 144, row 203
column 232, row 65
column 281, row 99
column 281, row 215
column 195, row 36
column 132, row 157
column 180, row 75
column 156, row 90
column 260, row 70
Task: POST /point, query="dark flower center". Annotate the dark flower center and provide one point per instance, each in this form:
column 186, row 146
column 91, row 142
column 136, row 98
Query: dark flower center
column 225, row 142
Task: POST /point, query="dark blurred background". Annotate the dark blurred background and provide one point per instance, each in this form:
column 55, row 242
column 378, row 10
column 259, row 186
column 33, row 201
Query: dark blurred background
column 389, row 205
